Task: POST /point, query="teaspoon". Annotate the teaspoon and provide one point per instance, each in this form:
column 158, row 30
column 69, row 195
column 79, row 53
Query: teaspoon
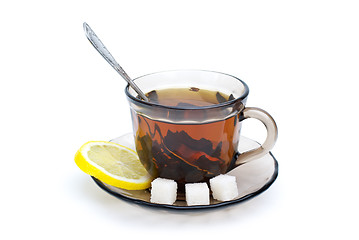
column 100, row 47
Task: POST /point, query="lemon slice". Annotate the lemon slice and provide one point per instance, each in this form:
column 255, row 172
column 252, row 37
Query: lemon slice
column 113, row 164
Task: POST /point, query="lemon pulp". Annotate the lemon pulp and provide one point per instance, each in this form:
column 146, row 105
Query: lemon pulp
column 113, row 164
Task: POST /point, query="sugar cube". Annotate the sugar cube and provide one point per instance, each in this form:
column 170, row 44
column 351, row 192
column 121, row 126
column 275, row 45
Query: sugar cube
column 224, row 187
column 197, row 194
column 163, row 191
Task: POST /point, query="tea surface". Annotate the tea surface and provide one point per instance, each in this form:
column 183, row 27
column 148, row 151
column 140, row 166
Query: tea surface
column 187, row 97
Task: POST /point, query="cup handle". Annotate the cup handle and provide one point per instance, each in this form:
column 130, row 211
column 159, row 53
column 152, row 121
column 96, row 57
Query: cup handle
column 272, row 134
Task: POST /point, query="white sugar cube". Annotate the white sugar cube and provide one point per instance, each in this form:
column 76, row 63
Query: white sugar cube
column 197, row 194
column 224, row 187
column 163, row 191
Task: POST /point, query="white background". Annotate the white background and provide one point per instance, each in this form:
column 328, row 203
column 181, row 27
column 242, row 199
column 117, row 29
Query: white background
column 299, row 58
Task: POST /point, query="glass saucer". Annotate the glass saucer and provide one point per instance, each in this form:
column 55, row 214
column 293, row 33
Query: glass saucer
column 253, row 178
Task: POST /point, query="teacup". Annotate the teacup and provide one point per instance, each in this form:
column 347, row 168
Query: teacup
column 189, row 130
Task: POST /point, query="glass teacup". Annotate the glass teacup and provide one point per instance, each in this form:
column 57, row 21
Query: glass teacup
column 193, row 136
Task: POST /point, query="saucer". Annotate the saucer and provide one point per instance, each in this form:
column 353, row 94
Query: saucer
column 253, row 178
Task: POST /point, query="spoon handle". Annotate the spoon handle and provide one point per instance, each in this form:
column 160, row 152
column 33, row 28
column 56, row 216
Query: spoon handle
column 100, row 47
